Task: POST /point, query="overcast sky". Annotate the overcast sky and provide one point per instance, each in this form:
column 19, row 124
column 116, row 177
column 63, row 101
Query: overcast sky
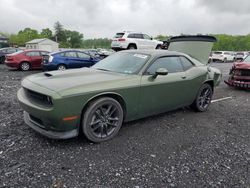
column 102, row 18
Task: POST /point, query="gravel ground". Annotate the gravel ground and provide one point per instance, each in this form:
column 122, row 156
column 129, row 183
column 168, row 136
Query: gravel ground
column 176, row 149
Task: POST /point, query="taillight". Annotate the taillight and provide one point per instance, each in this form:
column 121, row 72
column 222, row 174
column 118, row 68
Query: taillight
column 121, row 39
column 50, row 59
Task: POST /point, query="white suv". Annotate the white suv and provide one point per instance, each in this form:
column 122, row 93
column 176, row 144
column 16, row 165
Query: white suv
column 133, row 40
column 223, row 56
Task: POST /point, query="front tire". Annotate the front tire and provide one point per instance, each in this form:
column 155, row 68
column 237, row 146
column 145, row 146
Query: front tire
column 102, row 120
column 25, row 66
column 203, row 99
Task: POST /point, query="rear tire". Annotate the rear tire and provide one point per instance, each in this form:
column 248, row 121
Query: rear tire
column 132, row 47
column 61, row 67
column 25, row 66
column 158, row 47
column 203, row 98
column 102, row 120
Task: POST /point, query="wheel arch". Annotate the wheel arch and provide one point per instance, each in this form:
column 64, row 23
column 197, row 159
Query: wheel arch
column 24, row 61
column 210, row 82
column 113, row 95
column 132, row 44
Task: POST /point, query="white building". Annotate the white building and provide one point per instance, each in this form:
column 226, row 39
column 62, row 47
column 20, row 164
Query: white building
column 43, row 44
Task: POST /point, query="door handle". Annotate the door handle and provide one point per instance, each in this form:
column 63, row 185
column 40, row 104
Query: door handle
column 184, row 77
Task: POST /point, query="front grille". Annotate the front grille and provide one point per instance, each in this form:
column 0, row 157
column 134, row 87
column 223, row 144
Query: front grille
column 38, row 97
column 245, row 72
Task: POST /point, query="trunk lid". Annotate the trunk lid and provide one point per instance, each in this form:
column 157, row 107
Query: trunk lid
column 197, row 46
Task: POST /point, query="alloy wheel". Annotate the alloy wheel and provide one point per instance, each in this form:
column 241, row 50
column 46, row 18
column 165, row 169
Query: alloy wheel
column 205, row 98
column 61, row 67
column 104, row 120
column 25, row 66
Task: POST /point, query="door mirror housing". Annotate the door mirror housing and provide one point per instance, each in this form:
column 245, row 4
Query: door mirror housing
column 161, row 72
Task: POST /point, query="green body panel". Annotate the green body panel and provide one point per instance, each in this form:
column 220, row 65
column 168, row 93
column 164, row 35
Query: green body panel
column 72, row 90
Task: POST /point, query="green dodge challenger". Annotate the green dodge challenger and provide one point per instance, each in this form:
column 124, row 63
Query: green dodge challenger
column 125, row 86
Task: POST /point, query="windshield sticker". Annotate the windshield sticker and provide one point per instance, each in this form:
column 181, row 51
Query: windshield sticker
column 140, row 56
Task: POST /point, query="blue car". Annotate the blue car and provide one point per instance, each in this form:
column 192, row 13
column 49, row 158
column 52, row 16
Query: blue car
column 68, row 59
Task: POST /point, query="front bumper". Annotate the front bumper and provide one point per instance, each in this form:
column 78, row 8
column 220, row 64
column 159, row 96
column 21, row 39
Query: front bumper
column 49, row 133
column 240, row 84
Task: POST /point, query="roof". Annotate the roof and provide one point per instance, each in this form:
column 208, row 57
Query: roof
column 35, row 41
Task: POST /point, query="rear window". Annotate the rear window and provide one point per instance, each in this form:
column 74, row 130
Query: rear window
column 217, row 52
column 118, row 35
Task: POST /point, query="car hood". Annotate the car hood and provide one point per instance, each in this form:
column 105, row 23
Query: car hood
column 85, row 78
column 196, row 46
column 242, row 65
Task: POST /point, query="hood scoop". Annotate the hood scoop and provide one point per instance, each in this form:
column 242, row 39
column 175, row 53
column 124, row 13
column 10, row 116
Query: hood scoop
column 47, row 74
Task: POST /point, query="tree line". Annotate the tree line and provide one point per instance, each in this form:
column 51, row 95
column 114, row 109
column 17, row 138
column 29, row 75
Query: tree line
column 73, row 39
column 65, row 37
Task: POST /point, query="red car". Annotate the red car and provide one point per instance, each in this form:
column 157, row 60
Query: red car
column 25, row 60
column 239, row 75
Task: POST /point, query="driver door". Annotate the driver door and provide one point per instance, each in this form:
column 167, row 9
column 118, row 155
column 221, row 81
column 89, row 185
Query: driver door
column 166, row 92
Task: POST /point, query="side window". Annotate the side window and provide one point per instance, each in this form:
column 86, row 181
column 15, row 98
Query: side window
column 146, row 37
column 186, row 63
column 70, row 54
column 131, row 36
column 44, row 53
column 83, row 55
column 32, row 54
column 172, row 64
column 138, row 35
column 11, row 50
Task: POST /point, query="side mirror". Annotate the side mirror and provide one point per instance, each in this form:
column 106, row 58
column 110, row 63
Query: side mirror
column 161, row 72
column 151, row 38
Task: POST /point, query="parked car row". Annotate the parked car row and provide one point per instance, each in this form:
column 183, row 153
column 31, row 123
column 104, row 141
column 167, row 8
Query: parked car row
column 225, row 56
column 39, row 59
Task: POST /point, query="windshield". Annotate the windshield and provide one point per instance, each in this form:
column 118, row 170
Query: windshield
column 126, row 63
column 247, row 59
